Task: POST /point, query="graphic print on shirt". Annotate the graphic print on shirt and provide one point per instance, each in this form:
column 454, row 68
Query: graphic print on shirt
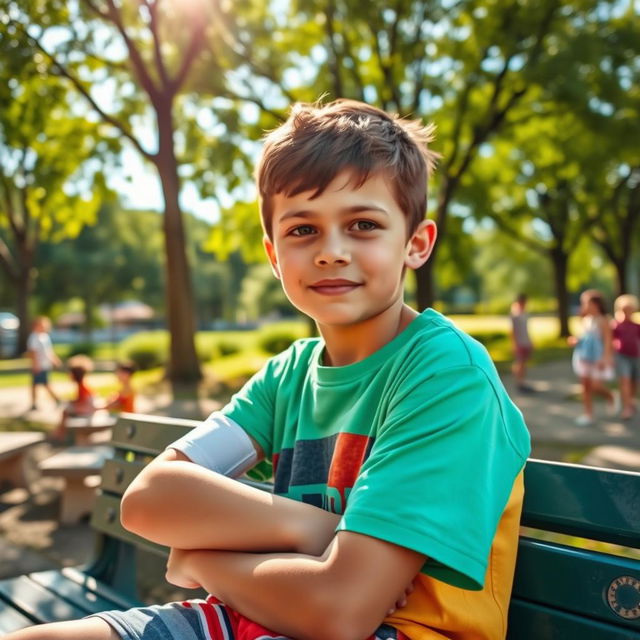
column 321, row 472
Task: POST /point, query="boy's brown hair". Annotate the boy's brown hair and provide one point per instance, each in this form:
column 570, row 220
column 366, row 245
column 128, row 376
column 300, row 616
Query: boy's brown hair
column 317, row 142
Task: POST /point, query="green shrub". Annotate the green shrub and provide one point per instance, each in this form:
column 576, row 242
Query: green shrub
column 81, row 348
column 147, row 349
column 276, row 339
column 227, row 347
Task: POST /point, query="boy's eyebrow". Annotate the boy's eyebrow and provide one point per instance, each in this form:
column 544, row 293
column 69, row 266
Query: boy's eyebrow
column 310, row 213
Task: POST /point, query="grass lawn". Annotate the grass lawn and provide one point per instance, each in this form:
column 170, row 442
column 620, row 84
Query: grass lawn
column 248, row 353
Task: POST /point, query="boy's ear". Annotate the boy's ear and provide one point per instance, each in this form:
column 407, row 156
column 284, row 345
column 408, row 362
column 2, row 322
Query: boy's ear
column 421, row 244
column 271, row 254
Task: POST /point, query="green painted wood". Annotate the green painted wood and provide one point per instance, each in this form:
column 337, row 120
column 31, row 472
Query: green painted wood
column 529, row 621
column 89, row 583
column 575, row 580
column 117, row 475
column 75, row 593
column 37, row 602
column 148, row 435
column 599, row 504
column 11, row 619
column 106, row 518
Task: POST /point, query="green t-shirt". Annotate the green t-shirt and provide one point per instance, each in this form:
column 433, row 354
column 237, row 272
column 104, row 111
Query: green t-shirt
column 418, row 444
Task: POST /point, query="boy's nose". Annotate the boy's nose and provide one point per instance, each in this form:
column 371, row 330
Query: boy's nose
column 333, row 251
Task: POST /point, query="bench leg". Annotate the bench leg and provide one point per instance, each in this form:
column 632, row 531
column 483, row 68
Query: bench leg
column 77, row 498
column 12, row 470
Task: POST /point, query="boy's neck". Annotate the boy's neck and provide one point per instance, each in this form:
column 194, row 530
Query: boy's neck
column 349, row 344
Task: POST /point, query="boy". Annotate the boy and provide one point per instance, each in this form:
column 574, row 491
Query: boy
column 397, row 454
column 43, row 358
column 522, row 346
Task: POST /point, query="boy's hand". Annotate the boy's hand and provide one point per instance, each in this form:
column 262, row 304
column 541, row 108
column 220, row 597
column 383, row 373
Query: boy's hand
column 177, row 570
column 402, row 600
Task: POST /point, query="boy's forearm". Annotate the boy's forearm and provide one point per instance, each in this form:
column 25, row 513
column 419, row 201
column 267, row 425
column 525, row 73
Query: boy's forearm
column 286, row 593
column 182, row 505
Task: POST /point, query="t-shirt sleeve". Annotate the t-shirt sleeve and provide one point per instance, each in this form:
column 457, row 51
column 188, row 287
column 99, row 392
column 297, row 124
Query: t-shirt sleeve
column 440, row 473
column 253, row 407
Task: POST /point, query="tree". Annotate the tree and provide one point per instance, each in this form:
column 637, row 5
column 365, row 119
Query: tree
column 46, row 193
column 458, row 64
column 141, row 55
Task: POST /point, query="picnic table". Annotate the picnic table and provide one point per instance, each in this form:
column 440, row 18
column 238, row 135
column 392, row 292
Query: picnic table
column 14, row 449
column 79, row 468
column 83, row 428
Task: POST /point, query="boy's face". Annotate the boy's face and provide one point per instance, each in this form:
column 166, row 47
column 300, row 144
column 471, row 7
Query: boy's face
column 341, row 256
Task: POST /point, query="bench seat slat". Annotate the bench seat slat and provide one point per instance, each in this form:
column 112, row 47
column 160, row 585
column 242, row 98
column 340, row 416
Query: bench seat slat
column 571, row 579
column 38, row 602
column 528, row 621
column 600, row 504
column 78, row 594
column 11, row 619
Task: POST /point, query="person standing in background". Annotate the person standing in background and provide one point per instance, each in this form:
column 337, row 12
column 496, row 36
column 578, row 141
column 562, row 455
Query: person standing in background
column 43, row 358
column 626, row 347
column 592, row 359
column 522, row 345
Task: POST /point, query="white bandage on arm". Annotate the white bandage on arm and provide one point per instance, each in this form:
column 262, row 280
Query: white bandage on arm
column 218, row 444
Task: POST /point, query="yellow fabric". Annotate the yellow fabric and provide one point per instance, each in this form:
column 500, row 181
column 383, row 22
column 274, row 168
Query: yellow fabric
column 437, row 611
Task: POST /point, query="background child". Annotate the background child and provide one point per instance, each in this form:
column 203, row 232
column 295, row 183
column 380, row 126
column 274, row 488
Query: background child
column 124, row 400
column 522, row 345
column 626, row 345
column 43, row 358
column 592, row 359
column 84, row 402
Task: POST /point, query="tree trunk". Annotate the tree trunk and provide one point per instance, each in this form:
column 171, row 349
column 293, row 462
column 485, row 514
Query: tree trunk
column 24, row 287
column 425, row 277
column 560, row 261
column 183, row 364
column 621, row 275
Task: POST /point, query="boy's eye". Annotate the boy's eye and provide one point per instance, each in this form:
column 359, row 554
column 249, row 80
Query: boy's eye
column 302, row 230
column 364, row 225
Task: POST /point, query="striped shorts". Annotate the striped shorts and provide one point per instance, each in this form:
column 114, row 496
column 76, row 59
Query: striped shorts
column 207, row 619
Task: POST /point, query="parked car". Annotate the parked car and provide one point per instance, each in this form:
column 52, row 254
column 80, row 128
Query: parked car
column 9, row 325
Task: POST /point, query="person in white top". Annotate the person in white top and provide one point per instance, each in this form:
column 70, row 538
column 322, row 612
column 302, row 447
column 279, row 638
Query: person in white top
column 43, row 358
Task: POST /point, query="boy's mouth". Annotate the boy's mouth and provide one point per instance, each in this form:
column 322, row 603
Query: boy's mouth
column 334, row 287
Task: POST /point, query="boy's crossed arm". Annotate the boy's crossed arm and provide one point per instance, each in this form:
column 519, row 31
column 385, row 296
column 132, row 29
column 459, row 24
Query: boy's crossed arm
column 275, row 560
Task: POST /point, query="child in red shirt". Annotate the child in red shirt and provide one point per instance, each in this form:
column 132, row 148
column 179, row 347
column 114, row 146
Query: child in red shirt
column 124, row 400
column 84, row 402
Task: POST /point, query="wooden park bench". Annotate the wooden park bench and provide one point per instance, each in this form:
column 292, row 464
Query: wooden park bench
column 15, row 447
column 561, row 592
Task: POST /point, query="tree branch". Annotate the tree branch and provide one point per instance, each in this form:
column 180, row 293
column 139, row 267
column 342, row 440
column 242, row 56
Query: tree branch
column 139, row 67
column 154, row 25
column 196, row 43
column 83, row 91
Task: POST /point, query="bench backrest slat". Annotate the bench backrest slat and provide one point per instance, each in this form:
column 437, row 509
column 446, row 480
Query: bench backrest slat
column 600, row 504
column 148, row 435
column 572, row 580
column 534, row 622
